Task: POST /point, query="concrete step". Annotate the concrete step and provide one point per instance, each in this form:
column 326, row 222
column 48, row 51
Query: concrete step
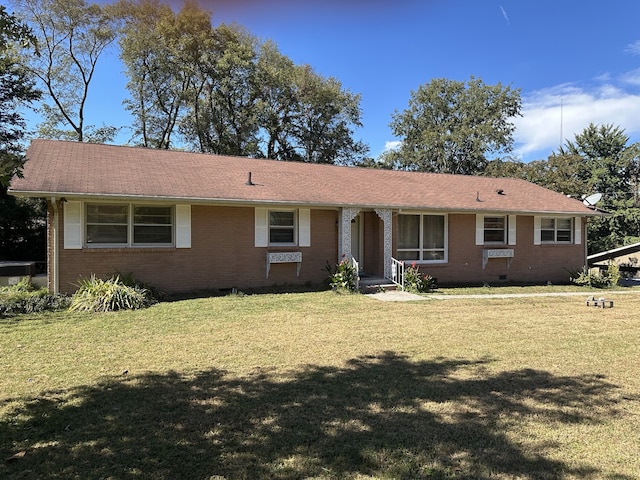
column 376, row 284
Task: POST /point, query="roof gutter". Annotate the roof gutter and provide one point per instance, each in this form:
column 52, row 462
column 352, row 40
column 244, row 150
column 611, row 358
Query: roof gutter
column 249, row 202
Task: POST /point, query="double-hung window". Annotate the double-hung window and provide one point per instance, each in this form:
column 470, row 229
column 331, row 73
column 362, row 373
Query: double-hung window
column 495, row 229
column 422, row 237
column 135, row 225
column 282, row 227
column 556, row 229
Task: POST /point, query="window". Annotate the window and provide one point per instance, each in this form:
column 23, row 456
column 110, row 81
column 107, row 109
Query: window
column 556, row 230
column 422, row 237
column 282, row 228
column 107, row 224
column 152, row 225
column 495, row 229
column 129, row 224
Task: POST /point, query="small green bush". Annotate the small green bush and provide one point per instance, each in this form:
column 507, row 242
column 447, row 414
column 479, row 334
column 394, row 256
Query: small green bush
column 97, row 295
column 417, row 282
column 26, row 298
column 588, row 278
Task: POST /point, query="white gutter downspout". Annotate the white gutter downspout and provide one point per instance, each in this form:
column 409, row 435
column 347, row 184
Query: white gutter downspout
column 55, row 223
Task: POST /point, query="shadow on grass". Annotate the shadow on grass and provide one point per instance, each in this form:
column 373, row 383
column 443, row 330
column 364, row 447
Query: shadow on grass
column 380, row 416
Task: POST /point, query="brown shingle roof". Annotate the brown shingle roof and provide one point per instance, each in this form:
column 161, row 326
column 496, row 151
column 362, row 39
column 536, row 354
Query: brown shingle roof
column 84, row 169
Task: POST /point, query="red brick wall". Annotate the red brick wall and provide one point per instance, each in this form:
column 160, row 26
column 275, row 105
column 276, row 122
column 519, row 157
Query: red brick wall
column 531, row 263
column 222, row 255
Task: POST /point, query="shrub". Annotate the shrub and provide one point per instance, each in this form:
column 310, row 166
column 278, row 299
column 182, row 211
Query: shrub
column 417, row 282
column 26, row 298
column 598, row 279
column 343, row 277
column 97, row 295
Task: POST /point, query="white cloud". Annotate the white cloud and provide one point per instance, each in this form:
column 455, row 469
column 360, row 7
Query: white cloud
column 633, row 48
column 392, row 145
column 554, row 115
column 504, row 14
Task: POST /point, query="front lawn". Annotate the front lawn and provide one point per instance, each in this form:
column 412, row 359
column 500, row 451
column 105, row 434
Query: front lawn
column 324, row 386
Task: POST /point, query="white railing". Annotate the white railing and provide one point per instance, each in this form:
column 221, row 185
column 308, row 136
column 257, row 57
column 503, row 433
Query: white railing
column 397, row 272
column 356, row 266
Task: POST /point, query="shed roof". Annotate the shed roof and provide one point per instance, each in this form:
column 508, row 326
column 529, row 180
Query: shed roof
column 72, row 169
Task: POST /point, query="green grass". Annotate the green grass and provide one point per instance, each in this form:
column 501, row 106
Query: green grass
column 325, row 386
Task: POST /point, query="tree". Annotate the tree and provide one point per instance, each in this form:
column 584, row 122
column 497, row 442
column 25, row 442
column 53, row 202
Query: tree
column 610, row 167
column 22, row 226
column 220, row 90
column 452, row 127
column 222, row 115
column 16, row 90
column 71, row 35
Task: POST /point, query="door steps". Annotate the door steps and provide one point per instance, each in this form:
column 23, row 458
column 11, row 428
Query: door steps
column 371, row 284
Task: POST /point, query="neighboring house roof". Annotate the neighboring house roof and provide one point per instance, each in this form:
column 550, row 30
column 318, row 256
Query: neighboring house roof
column 612, row 254
column 70, row 169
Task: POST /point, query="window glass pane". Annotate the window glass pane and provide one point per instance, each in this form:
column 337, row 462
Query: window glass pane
column 281, row 219
column 408, row 255
column 494, row 223
column 281, row 235
column 433, row 255
column 494, row 228
column 106, row 234
column 564, row 223
column 547, row 223
column 152, row 215
column 564, row 236
column 107, row 213
column 547, row 235
column 408, row 231
column 433, row 231
column 152, row 234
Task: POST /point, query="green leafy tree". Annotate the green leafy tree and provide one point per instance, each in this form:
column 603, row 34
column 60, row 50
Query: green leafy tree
column 607, row 165
column 16, row 91
column 22, row 226
column 72, row 35
column 453, row 127
column 222, row 116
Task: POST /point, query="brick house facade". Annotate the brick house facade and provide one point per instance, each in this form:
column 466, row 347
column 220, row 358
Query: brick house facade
column 183, row 221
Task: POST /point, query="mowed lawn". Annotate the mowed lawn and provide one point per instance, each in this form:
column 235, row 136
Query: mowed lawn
column 325, row 386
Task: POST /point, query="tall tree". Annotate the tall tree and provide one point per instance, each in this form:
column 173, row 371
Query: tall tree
column 609, row 166
column 17, row 90
column 222, row 115
column 72, row 35
column 22, row 226
column 452, row 126
column 162, row 52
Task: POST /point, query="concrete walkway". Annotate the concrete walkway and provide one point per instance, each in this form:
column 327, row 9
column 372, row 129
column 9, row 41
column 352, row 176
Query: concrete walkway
column 399, row 296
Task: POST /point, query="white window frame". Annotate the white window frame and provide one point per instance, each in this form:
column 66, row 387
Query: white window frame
column 505, row 230
column 130, row 226
column 555, row 230
column 293, row 228
column 420, row 248
column 301, row 231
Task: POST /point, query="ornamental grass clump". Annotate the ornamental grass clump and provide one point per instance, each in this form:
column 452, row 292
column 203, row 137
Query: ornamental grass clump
column 97, row 295
column 417, row 282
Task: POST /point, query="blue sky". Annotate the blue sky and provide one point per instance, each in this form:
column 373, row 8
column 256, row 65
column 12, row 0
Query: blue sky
column 583, row 55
